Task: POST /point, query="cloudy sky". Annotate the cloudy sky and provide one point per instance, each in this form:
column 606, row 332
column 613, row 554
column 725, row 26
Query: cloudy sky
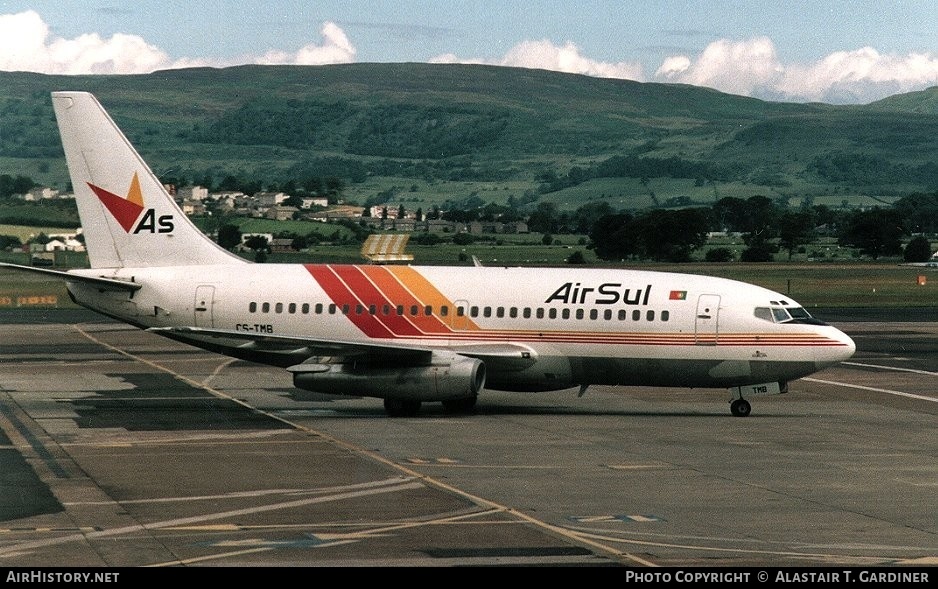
column 834, row 51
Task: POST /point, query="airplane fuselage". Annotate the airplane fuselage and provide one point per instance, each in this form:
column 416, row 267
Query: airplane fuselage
column 564, row 328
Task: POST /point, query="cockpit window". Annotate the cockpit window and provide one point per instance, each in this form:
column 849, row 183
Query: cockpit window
column 799, row 313
column 786, row 315
column 764, row 313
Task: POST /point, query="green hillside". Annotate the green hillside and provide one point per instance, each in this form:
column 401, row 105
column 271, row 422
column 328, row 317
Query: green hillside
column 426, row 132
column 922, row 102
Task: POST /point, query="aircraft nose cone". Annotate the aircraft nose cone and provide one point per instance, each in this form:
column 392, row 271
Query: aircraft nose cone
column 843, row 350
column 850, row 346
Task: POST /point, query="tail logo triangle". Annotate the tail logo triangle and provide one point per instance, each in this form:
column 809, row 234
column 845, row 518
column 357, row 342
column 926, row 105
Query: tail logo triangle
column 127, row 210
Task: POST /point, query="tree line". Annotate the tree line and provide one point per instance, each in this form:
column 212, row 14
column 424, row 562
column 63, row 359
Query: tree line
column 673, row 235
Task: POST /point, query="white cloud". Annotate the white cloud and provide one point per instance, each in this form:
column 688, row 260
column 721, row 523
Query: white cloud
column 861, row 75
column 336, row 48
column 674, row 66
column 25, row 45
column 547, row 56
column 735, row 67
column 752, row 68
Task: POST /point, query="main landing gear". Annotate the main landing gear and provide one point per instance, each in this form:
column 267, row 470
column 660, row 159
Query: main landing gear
column 740, row 407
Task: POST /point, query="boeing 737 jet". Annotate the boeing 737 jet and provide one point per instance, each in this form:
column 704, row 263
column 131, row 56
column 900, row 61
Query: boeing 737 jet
column 416, row 334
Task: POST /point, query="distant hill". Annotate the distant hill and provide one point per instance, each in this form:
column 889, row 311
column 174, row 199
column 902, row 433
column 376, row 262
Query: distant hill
column 922, row 102
column 540, row 133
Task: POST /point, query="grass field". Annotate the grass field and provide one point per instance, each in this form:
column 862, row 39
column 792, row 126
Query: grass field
column 25, row 232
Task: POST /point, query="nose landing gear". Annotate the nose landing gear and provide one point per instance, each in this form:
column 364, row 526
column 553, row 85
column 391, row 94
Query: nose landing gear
column 740, row 407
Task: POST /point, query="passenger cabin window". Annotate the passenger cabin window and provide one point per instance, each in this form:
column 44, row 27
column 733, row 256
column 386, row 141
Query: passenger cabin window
column 252, row 308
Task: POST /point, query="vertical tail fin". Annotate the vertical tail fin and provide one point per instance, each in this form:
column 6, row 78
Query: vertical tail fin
column 128, row 218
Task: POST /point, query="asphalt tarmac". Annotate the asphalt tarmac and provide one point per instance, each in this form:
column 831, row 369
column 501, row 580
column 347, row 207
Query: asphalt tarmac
column 121, row 448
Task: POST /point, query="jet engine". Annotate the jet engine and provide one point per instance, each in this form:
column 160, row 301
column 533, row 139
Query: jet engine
column 446, row 377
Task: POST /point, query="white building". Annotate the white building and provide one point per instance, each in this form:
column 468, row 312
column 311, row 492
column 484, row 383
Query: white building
column 58, row 245
column 192, row 193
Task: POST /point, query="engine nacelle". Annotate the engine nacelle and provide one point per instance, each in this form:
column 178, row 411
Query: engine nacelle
column 446, row 377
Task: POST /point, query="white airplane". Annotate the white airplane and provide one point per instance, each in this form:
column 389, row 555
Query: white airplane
column 415, row 334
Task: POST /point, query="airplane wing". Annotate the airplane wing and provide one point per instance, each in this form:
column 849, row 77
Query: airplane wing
column 99, row 281
column 309, row 347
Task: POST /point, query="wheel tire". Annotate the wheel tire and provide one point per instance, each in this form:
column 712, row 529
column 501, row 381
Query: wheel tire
column 399, row 408
column 740, row 408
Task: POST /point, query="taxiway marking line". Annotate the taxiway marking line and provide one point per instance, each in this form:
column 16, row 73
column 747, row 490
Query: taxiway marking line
column 556, row 530
column 206, row 517
column 873, row 389
column 895, row 368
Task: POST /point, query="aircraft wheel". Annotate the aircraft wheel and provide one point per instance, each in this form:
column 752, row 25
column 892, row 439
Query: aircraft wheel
column 399, row 408
column 740, row 408
column 460, row 406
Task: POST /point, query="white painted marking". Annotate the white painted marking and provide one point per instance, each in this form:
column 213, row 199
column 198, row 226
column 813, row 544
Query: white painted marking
column 591, row 519
column 873, row 389
column 912, row 370
column 216, row 372
column 255, row 493
column 643, row 518
column 110, row 533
